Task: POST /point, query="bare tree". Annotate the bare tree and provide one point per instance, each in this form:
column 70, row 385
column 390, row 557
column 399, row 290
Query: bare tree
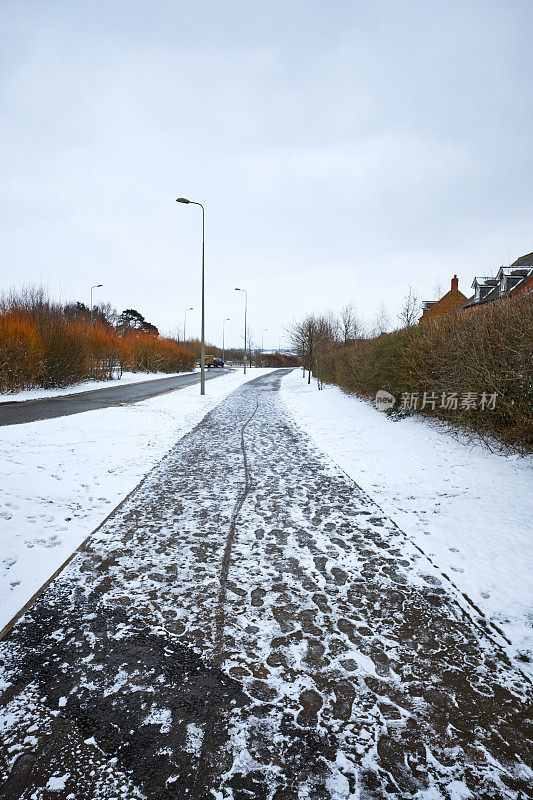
column 311, row 338
column 107, row 312
column 327, row 330
column 382, row 322
column 346, row 322
column 176, row 332
column 438, row 291
column 350, row 325
column 303, row 336
column 410, row 310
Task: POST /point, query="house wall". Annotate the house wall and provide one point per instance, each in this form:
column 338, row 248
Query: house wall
column 525, row 288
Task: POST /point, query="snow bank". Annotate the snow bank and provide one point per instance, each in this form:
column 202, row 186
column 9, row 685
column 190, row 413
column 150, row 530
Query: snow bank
column 88, row 386
column 469, row 509
column 61, row 477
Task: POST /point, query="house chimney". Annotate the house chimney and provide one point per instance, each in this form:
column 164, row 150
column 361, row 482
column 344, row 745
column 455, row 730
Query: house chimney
column 455, row 284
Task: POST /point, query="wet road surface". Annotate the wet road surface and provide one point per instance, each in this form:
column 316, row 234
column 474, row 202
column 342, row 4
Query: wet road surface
column 15, row 412
column 249, row 625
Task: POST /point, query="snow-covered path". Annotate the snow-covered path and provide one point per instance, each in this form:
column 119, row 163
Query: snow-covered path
column 469, row 509
column 60, row 478
column 249, row 625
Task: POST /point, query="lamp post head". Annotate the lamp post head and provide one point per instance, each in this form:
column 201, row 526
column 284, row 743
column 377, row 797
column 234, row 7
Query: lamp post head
column 182, row 200
column 190, row 309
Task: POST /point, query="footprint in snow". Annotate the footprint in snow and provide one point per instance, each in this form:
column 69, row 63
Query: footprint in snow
column 53, row 541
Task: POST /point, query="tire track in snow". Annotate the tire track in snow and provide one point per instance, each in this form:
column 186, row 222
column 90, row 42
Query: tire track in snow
column 220, row 615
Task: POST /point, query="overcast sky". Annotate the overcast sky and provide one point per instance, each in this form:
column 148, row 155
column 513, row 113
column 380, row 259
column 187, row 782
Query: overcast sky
column 343, row 151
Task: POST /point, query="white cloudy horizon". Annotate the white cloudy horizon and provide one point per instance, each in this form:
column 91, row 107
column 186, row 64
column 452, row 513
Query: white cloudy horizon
column 343, row 152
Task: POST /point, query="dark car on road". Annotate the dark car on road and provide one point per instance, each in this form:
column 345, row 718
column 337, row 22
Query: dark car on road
column 213, row 361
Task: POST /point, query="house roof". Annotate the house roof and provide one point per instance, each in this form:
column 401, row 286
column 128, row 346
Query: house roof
column 524, row 261
column 432, row 309
column 508, row 281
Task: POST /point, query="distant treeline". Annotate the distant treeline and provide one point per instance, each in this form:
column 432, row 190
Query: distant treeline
column 472, row 368
column 45, row 344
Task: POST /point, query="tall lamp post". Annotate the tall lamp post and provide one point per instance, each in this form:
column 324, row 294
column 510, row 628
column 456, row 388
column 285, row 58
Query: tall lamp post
column 245, row 310
column 96, row 286
column 202, row 343
column 223, row 341
column 262, row 332
column 185, row 323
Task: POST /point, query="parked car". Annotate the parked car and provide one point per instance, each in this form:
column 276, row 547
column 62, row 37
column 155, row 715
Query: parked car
column 213, row 361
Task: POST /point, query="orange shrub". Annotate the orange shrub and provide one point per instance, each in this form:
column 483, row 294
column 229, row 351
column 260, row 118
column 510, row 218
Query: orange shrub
column 105, row 351
column 21, row 352
column 148, row 353
column 41, row 345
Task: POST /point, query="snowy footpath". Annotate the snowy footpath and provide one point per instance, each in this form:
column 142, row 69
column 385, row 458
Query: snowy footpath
column 60, row 478
column 469, row 509
column 250, row 625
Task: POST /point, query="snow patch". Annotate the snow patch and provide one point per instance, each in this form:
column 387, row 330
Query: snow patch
column 57, row 783
column 195, row 737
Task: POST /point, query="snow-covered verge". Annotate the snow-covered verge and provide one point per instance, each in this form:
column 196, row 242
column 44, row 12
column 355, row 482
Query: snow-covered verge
column 61, row 477
column 87, row 386
column 467, row 508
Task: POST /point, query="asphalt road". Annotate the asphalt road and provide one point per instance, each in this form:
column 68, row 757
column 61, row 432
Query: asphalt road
column 248, row 625
column 15, row 413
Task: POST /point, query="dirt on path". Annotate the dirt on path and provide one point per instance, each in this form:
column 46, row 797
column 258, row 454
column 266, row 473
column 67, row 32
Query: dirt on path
column 249, row 625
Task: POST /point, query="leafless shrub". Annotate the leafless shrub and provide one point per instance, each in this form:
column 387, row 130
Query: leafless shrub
column 484, row 350
column 410, row 310
column 382, row 322
column 45, row 344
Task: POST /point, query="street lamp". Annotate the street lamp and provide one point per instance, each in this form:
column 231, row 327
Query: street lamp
column 223, row 347
column 202, row 343
column 262, row 332
column 96, row 286
column 245, row 310
column 185, row 323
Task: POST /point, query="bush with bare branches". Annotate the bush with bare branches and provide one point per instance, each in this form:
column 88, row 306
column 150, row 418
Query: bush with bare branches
column 45, row 344
column 482, row 350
